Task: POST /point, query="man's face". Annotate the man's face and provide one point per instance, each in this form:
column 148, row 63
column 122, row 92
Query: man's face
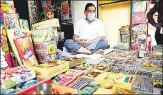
column 90, row 9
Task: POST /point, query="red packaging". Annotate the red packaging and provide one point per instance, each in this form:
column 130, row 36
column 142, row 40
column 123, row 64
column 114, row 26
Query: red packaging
column 148, row 44
column 25, row 49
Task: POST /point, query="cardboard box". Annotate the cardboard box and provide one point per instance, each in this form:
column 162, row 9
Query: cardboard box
column 76, row 62
column 102, row 79
column 51, row 23
column 31, row 90
column 62, row 89
column 103, row 91
column 48, row 71
column 116, row 90
column 10, row 79
column 94, row 73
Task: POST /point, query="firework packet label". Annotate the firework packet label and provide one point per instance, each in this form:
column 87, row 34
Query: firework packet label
column 138, row 18
column 125, row 37
column 24, row 24
column 50, row 71
column 124, row 46
column 138, row 6
column 122, row 80
column 117, row 90
column 54, row 23
column 11, row 77
column 45, row 39
column 11, row 36
column 7, row 6
column 1, row 18
column 5, row 54
column 45, row 44
column 25, row 49
column 11, row 21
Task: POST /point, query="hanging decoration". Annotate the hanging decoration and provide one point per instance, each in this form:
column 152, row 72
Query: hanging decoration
column 34, row 14
column 139, row 25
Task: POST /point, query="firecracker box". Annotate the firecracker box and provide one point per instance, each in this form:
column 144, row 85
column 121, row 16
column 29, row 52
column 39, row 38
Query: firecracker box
column 31, row 89
column 103, row 91
column 49, row 71
column 117, row 90
column 130, row 82
column 107, row 79
column 13, row 76
column 58, row 88
column 50, row 23
column 94, row 73
column 63, row 90
column 75, row 61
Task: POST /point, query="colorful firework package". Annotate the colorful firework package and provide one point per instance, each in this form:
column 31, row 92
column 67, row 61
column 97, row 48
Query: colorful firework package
column 11, row 36
column 5, row 54
column 45, row 39
column 125, row 33
column 11, row 21
column 138, row 18
column 7, row 6
column 25, row 49
column 138, row 6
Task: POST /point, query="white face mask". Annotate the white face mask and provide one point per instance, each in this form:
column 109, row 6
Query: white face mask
column 91, row 16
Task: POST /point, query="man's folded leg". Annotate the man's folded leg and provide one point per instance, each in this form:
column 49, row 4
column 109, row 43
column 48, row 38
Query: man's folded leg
column 100, row 45
column 72, row 46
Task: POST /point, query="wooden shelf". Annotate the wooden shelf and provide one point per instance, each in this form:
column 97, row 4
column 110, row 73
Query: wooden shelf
column 121, row 1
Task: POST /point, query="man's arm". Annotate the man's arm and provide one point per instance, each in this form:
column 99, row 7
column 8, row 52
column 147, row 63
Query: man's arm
column 98, row 38
column 76, row 39
column 150, row 15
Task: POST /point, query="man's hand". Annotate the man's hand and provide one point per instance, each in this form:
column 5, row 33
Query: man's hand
column 101, row 38
column 85, row 43
column 157, row 25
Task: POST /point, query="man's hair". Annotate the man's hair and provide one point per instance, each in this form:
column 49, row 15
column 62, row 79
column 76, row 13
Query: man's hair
column 89, row 5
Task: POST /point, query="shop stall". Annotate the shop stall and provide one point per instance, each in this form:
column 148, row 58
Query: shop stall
column 31, row 62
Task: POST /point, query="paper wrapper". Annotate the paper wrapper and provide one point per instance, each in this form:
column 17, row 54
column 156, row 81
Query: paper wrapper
column 24, row 24
column 138, row 6
column 138, row 18
column 45, row 39
column 5, row 55
column 11, row 21
column 10, row 35
column 48, row 23
column 138, row 36
column 45, row 45
column 7, row 6
column 124, row 46
column 25, row 48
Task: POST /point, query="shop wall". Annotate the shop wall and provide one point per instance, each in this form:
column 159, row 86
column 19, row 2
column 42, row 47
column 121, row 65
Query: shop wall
column 114, row 16
column 78, row 8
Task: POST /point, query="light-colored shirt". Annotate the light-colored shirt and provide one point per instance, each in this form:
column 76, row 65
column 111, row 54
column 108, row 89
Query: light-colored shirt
column 89, row 31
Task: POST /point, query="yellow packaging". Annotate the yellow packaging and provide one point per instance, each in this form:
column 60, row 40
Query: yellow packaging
column 115, row 78
column 50, row 23
column 10, row 35
column 74, row 63
column 50, row 71
column 103, row 91
column 52, row 48
column 116, row 90
column 23, row 24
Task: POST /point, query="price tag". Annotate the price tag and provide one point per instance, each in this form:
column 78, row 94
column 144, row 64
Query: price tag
column 52, row 49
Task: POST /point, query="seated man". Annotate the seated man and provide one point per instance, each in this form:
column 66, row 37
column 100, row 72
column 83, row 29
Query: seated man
column 89, row 34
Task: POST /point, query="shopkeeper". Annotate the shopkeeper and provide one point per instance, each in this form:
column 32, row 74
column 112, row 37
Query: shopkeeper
column 89, row 34
column 158, row 7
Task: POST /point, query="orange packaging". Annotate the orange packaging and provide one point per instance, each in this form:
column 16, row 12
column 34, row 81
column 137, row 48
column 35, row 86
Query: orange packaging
column 25, row 49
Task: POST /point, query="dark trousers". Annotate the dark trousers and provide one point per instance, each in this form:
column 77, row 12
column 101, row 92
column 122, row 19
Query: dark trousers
column 159, row 36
